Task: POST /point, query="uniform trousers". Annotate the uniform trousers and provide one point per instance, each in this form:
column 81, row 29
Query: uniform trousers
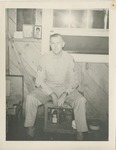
column 74, row 99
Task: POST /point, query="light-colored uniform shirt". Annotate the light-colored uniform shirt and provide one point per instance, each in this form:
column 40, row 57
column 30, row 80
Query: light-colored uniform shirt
column 56, row 73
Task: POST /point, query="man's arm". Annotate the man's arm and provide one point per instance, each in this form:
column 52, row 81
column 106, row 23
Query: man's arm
column 40, row 78
column 54, row 98
column 40, row 81
column 72, row 78
column 62, row 98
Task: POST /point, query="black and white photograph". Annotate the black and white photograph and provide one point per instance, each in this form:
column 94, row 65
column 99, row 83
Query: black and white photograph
column 65, row 99
column 57, row 79
column 37, row 31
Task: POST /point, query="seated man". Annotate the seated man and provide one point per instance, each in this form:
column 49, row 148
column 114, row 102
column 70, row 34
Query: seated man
column 55, row 81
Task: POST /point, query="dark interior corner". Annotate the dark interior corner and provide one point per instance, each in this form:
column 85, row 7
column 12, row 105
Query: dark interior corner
column 17, row 131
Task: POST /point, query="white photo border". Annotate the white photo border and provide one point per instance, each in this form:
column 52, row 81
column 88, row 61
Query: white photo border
column 107, row 145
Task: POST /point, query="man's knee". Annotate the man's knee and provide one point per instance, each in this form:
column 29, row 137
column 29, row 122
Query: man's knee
column 30, row 100
column 81, row 101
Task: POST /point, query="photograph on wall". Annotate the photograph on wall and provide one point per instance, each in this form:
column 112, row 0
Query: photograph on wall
column 27, row 31
column 37, row 31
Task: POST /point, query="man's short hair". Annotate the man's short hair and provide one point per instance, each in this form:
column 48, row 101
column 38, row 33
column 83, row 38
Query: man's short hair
column 38, row 28
column 56, row 35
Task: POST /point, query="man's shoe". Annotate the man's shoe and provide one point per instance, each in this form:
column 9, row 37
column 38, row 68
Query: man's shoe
column 79, row 136
column 30, row 131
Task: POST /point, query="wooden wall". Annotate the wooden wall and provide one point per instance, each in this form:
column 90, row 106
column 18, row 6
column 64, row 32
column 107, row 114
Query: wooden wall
column 22, row 54
column 23, row 59
column 96, row 90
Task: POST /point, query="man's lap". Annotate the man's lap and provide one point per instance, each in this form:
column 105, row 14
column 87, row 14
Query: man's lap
column 74, row 96
column 40, row 95
column 44, row 97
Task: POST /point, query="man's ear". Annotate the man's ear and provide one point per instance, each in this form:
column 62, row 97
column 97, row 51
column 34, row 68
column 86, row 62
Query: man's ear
column 50, row 47
column 63, row 44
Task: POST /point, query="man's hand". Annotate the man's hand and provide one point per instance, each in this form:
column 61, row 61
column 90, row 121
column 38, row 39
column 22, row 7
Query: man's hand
column 62, row 99
column 54, row 99
column 81, row 90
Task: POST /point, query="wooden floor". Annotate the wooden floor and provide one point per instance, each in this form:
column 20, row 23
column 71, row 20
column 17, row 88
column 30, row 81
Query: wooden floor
column 17, row 132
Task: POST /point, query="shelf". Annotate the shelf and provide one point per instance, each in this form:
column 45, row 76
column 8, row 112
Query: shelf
column 24, row 40
column 81, row 32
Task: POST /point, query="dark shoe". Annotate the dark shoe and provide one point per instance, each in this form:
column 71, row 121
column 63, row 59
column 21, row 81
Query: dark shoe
column 79, row 136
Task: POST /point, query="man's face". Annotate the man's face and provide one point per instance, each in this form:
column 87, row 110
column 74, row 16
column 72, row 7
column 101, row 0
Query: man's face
column 37, row 31
column 57, row 44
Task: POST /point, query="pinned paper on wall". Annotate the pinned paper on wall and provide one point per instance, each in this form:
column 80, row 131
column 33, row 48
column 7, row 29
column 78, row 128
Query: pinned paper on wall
column 113, row 6
column 27, row 31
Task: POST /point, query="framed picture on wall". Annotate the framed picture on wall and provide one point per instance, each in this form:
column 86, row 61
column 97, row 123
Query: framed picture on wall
column 27, row 31
column 38, row 31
